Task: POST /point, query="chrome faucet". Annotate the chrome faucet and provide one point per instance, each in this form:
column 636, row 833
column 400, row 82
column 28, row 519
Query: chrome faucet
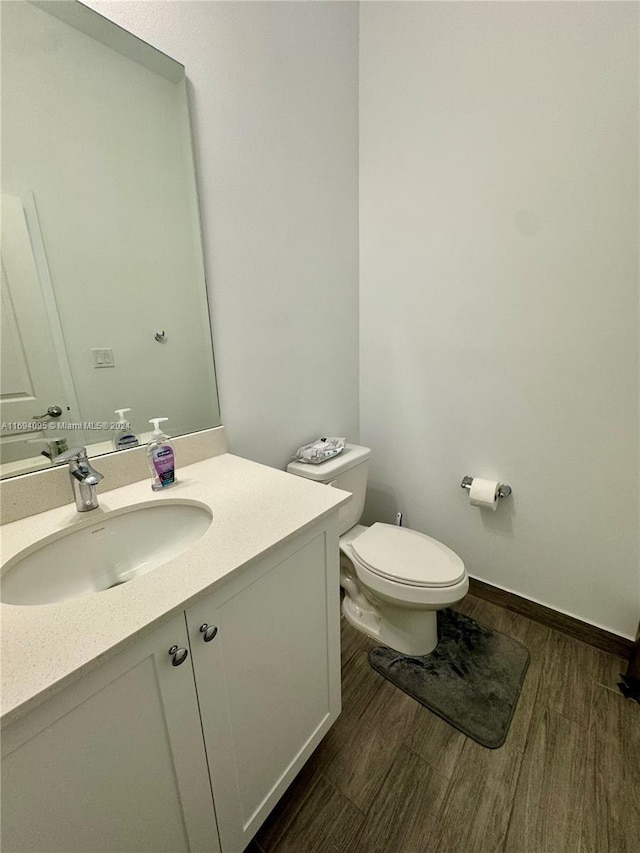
column 84, row 478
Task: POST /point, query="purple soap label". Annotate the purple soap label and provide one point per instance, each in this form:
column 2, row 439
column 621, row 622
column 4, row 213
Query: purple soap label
column 164, row 465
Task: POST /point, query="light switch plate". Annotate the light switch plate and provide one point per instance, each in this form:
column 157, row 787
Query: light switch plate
column 103, row 357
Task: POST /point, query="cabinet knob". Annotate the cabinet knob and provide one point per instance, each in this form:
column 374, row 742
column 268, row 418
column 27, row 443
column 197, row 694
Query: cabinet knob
column 208, row 632
column 178, row 655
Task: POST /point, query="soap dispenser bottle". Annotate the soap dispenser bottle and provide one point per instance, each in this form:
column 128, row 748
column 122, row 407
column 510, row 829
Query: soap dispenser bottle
column 124, row 437
column 161, row 458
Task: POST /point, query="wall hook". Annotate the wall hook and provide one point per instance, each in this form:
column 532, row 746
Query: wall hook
column 160, row 336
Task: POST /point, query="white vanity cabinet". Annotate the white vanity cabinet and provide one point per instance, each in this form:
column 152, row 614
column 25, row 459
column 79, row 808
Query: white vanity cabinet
column 114, row 762
column 126, row 758
column 266, row 656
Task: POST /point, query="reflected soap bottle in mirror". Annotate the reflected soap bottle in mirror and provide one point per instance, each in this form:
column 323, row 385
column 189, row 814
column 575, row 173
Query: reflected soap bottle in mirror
column 124, row 437
column 161, row 457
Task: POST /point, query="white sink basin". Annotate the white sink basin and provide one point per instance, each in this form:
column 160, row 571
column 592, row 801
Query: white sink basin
column 114, row 549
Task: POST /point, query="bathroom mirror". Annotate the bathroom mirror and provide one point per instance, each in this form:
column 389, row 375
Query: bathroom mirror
column 104, row 303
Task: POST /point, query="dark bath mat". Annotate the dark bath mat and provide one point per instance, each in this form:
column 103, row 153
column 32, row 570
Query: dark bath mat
column 472, row 679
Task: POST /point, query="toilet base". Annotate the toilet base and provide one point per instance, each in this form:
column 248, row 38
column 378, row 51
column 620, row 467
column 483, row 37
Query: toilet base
column 366, row 621
column 409, row 632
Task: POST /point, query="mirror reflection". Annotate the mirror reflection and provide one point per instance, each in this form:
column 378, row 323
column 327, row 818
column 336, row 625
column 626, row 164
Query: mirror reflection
column 104, row 304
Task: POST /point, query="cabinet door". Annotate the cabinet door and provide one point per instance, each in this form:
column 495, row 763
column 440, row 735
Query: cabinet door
column 269, row 680
column 115, row 762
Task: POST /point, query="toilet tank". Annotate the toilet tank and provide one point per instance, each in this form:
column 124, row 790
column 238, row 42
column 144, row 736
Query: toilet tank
column 346, row 471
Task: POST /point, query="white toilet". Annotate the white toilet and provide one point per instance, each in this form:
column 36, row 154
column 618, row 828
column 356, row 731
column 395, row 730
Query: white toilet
column 394, row 578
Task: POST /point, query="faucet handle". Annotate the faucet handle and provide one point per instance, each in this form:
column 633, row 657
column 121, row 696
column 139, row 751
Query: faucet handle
column 79, row 466
column 77, row 454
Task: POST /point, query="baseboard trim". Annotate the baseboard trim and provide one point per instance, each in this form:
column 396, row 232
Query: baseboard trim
column 594, row 636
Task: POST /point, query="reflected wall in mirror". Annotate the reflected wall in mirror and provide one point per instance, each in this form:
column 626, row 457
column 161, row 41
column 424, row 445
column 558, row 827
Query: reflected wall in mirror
column 104, row 303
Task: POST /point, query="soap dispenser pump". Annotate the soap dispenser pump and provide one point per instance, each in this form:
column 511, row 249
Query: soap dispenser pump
column 124, row 437
column 161, row 457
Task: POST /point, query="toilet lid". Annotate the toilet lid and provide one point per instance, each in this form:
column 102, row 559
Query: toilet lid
column 407, row 556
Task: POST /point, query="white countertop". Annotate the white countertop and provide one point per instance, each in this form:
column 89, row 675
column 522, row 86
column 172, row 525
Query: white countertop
column 255, row 508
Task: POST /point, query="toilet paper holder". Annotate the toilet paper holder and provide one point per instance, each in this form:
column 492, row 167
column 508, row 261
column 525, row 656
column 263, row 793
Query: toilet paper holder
column 503, row 490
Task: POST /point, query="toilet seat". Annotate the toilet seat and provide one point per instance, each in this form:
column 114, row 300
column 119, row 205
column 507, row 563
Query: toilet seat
column 407, row 557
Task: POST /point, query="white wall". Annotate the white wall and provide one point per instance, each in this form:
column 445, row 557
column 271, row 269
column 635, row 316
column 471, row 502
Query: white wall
column 499, row 288
column 498, row 249
column 274, row 93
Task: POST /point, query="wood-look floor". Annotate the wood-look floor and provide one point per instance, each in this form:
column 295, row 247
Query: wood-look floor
column 391, row 777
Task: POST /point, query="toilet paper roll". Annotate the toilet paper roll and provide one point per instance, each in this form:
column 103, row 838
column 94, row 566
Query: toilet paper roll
column 484, row 493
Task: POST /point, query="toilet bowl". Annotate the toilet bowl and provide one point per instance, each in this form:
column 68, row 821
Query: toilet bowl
column 395, row 579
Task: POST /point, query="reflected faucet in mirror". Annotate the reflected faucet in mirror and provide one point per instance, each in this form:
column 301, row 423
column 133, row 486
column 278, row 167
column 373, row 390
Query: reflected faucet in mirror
column 100, row 219
column 55, row 446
